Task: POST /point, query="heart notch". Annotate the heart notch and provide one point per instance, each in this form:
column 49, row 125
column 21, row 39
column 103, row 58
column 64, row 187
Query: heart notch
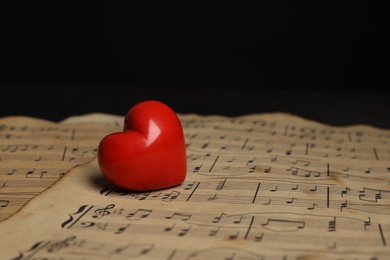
column 150, row 153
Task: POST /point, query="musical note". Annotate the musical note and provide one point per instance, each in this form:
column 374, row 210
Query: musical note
column 294, row 170
column 11, row 172
column 56, row 246
column 76, row 151
column 11, row 148
column 283, row 225
column 214, row 232
column 184, row 231
column 367, row 223
column 234, row 236
column 205, row 145
column 190, row 185
column 250, row 161
column 239, row 220
column 217, row 219
column 122, row 229
column 223, row 147
column 197, row 168
column 332, row 225
column 267, row 169
column 100, row 213
column 370, row 195
column 170, row 228
column 212, row 197
column 88, row 224
column 147, row 250
column 259, row 238
column 173, row 195
column 252, row 169
column 301, row 162
column 139, row 214
column 29, row 173
column 274, row 189
column 179, row 216
column 291, row 200
column 138, row 196
column 221, row 184
column 107, row 189
column 343, row 205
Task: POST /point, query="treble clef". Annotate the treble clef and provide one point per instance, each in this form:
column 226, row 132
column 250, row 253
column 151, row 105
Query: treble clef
column 99, row 213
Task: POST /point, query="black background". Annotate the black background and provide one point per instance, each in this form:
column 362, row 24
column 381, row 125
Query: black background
column 321, row 60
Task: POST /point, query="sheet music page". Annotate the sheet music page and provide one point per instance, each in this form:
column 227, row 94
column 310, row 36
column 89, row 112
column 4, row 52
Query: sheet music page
column 36, row 153
column 99, row 118
column 269, row 186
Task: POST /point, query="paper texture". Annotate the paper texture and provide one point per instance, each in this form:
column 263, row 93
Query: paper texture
column 36, row 153
column 269, row 186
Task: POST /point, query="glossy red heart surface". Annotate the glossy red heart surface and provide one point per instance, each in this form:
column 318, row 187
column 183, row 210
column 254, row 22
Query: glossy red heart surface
column 149, row 154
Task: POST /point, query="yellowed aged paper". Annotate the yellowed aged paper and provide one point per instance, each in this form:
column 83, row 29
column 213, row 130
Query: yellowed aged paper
column 99, row 118
column 269, row 186
column 35, row 153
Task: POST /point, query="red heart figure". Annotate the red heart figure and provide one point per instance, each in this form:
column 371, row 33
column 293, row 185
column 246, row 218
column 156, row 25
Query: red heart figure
column 150, row 153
